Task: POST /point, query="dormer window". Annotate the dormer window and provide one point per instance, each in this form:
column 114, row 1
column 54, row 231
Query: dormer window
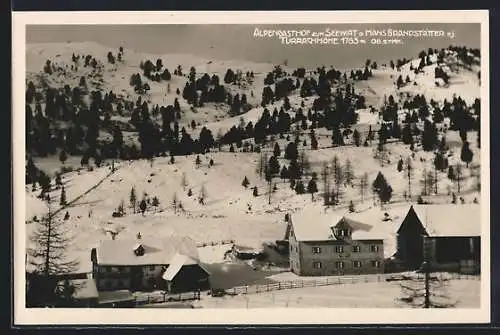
column 139, row 250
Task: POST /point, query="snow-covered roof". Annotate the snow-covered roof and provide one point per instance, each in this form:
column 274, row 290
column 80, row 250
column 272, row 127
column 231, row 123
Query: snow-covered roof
column 450, row 219
column 156, row 251
column 369, row 224
column 177, row 262
column 314, row 225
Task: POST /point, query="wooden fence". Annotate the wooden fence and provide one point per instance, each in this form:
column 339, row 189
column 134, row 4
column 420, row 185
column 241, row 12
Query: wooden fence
column 147, row 299
column 284, row 285
column 214, row 243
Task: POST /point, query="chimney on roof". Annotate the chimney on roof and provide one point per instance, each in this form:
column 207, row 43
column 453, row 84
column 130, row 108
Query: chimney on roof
column 139, row 236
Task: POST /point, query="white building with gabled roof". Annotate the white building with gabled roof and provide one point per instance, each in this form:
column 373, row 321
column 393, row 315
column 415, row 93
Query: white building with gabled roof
column 141, row 264
column 332, row 244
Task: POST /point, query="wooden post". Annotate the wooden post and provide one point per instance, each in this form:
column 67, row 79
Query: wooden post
column 427, row 293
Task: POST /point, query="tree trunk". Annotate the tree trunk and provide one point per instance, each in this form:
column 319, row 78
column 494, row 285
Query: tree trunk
column 270, row 190
column 47, row 251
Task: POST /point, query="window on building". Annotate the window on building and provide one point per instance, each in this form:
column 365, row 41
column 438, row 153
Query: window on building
column 339, row 265
column 374, row 248
column 356, row 248
column 339, row 249
column 121, row 269
column 316, row 250
column 107, row 284
column 151, row 268
column 356, row 264
column 346, row 232
column 376, row 264
column 317, row 265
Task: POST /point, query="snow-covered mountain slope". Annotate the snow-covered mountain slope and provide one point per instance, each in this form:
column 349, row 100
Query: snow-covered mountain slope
column 229, row 211
column 463, row 82
column 116, row 77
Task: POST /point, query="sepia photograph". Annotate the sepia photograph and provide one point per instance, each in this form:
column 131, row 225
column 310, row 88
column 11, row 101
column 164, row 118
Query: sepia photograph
column 304, row 166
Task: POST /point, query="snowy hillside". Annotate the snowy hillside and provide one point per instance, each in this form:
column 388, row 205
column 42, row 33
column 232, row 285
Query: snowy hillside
column 228, row 211
column 463, row 82
column 116, row 77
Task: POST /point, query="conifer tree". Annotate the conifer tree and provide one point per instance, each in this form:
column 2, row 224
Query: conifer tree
column 58, row 179
column 312, row 188
column 273, row 166
column 63, row 197
column 63, row 156
column 133, row 198
column 49, row 255
column 348, row 172
column 245, row 182
column 425, row 182
column 466, row 154
column 143, row 206
column 458, row 176
column 351, row 207
column 451, row 173
column 363, row 184
column 155, row 203
column 325, row 176
column 175, row 202
column 338, row 175
column 409, row 174
column 314, row 142
column 400, row 165
column 356, row 137
column 203, row 194
column 299, row 187
column 277, row 150
column 382, row 188
column 429, row 136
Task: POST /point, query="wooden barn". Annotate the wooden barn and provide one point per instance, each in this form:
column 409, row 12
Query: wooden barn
column 449, row 233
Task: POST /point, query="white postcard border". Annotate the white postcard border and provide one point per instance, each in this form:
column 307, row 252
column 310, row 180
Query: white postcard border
column 46, row 316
